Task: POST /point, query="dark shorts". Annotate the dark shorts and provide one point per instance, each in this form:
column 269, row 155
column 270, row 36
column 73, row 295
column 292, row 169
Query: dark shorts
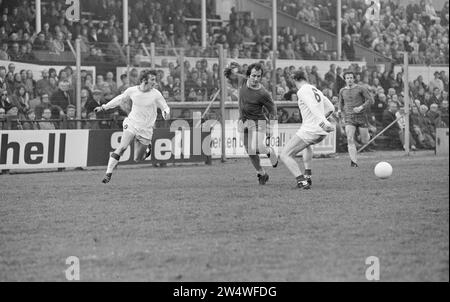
column 357, row 120
column 254, row 125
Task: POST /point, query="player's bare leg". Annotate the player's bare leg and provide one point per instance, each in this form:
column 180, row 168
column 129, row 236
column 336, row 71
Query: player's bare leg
column 350, row 132
column 250, row 148
column 140, row 151
column 307, row 162
column 264, row 149
column 294, row 146
column 127, row 138
column 364, row 135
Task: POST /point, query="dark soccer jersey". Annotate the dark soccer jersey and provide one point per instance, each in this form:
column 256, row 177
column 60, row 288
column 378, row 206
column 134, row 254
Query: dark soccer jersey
column 252, row 102
column 354, row 97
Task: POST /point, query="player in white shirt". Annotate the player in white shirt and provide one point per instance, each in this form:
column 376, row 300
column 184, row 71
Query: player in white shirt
column 138, row 126
column 314, row 108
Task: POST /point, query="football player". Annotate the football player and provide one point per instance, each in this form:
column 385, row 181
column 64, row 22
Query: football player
column 254, row 99
column 138, row 126
column 314, row 108
column 354, row 100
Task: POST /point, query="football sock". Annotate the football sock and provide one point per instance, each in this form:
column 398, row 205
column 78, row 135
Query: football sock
column 112, row 163
column 256, row 162
column 308, row 173
column 352, row 152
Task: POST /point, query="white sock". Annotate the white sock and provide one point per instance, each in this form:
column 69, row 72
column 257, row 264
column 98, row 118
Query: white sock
column 112, row 163
column 352, row 152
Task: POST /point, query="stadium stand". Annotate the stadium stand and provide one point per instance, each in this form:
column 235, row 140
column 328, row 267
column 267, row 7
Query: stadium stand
column 418, row 28
column 26, row 101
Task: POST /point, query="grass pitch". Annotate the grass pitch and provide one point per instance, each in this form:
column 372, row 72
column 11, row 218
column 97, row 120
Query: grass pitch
column 215, row 223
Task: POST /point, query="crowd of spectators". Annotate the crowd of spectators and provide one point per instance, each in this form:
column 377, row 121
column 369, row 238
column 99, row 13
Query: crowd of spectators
column 416, row 28
column 163, row 23
column 49, row 103
column 387, row 27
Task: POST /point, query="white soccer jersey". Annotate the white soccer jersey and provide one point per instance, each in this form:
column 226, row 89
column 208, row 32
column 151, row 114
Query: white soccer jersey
column 313, row 107
column 144, row 106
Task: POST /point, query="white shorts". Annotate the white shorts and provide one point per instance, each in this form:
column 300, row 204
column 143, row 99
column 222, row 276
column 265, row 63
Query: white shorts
column 310, row 137
column 143, row 135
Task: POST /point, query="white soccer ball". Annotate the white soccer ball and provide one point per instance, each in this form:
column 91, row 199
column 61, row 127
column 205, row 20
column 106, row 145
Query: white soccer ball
column 383, row 170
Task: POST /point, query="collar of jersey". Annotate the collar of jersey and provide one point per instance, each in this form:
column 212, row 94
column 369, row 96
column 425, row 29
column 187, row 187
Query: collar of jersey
column 259, row 87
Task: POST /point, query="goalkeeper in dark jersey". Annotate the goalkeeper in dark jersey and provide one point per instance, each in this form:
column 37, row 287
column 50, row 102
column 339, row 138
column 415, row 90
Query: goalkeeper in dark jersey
column 354, row 100
column 253, row 100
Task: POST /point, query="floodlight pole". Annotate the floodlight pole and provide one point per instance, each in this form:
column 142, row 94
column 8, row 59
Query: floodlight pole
column 339, row 30
column 78, row 68
column 38, row 16
column 125, row 36
column 406, row 99
column 182, row 76
column 203, row 23
column 274, row 49
column 223, row 96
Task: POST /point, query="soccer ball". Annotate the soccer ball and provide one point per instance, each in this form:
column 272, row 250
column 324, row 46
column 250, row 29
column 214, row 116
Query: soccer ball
column 383, row 170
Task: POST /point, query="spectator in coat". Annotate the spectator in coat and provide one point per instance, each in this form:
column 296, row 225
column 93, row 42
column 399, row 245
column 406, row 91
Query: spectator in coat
column 62, row 97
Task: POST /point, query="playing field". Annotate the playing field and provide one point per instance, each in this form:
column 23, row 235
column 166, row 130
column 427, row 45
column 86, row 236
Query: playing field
column 215, row 223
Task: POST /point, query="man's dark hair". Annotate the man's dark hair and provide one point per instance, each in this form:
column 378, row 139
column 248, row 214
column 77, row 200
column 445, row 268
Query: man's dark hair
column 145, row 74
column 349, row 72
column 300, row 76
column 123, row 76
column 256, row 66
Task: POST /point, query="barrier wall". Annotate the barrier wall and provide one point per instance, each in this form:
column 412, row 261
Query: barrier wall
column 442, row 141
column 234, row 140
column 35, row 149
column 51, row 149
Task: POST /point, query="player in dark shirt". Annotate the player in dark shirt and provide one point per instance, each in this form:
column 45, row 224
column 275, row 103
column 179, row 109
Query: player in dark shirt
column 354, row 100
column 253, row 100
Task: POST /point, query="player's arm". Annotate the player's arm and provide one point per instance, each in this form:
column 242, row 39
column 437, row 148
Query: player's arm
column 329, row 107
column 311, row 101
column 162, row 104
column 232, row 69
column 340, row 102
column 114, row 102
column 368, row 100
column 269, row 104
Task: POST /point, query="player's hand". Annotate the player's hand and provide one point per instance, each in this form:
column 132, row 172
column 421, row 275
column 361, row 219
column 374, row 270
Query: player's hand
column 358, row 109
column 327, row 126
column 231, row 69
column 98, row 109
column 166, row 114
column 227, row 72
